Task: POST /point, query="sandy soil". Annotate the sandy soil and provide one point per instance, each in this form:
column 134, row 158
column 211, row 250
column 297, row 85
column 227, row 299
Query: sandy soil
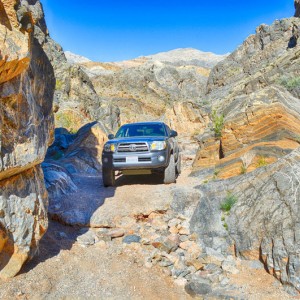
column 64, row 269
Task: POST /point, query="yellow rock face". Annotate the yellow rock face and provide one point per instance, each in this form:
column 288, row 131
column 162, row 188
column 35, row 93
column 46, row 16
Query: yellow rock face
column 26, row 121
column 260, row 135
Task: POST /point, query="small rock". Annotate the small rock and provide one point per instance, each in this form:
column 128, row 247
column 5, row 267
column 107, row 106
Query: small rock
column 173, row 229
column 197, row 288
column 158, row 224
column 187, row 244
column 116, row 233
column 180, row 281
column 102, row 245
column 148, row 265
column 131, row 239
column 87, row 239
column 193, row 237
column 174, row 222
column 184, row 238
column 165, row 262
column 230, row 267
column 102, row 235
column 224, row 282
column 196, row 263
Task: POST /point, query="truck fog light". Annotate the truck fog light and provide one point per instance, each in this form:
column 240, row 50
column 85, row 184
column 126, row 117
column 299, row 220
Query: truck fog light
column 105, row 160
column 161, row 158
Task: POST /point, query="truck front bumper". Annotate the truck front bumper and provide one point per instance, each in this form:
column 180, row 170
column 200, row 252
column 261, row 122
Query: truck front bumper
column 135, row 161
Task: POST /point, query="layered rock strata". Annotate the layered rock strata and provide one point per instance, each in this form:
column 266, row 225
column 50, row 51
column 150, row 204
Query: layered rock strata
column 26, row 92
column 256, row 90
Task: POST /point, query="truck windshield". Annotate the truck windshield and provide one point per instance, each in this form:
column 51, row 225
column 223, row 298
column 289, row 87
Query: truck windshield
column 132, row 130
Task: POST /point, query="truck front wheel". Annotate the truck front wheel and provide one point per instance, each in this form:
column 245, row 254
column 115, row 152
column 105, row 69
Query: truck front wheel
column 108, row 177
column 170, row 171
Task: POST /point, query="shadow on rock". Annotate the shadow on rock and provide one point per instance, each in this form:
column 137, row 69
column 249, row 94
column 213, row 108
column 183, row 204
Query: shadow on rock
column 72, row 172
column 153, row 179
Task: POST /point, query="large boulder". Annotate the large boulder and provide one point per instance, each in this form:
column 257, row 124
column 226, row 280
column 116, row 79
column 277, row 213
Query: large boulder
column 262, row 222
column 27, row 87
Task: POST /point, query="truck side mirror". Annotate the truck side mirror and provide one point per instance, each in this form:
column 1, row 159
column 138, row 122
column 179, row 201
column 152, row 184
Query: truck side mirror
column 111, row 136
column 173, row 133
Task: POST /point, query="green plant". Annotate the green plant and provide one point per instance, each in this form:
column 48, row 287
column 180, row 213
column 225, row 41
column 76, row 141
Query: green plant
column 218, row 123
column 228, row 202
column 290, row 83
column 225, row 225
column 68, row 119
column 243, row 169
column 216, row 173
column 261, row 162
column 59, row 85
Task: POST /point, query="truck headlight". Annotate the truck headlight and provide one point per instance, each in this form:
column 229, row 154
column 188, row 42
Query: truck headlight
column 109, row 147
column 158, row 145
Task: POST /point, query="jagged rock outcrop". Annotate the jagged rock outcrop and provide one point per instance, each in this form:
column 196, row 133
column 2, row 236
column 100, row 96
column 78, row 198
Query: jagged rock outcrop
column 26, row 92
column 151, row 90
column 257, row 90
column 263, row 224
column 248, row 157
column 297, row 8
column 162, row 86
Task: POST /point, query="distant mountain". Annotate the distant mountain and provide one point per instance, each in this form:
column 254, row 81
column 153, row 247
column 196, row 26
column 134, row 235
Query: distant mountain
column 188, row 56
column 75, row 58
column 169, row 85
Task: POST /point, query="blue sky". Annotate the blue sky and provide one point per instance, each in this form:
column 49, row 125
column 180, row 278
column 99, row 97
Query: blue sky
column 118, row 30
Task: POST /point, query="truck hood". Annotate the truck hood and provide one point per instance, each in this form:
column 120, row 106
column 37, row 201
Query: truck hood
column 146, row 139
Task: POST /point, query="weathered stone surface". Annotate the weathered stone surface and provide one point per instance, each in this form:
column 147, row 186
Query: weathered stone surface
column 256, row 90
column 26, row 123
column 264, row 222
column 23, row 202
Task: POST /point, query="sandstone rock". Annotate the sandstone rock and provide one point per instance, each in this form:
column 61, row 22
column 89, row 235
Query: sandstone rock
column 27, row 88
column 260, row 106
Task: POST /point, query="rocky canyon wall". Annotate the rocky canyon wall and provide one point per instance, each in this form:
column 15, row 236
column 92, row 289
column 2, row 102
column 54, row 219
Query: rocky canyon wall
column 27, row 85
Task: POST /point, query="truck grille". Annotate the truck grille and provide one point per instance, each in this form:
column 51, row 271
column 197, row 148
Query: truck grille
column 133, row 147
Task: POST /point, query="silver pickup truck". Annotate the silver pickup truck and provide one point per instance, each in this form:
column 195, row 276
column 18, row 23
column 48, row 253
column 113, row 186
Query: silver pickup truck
column 142, row 148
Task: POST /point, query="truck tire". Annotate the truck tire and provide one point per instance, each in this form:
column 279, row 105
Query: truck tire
column 178, row 164
column 108, row 177
column 170, row 171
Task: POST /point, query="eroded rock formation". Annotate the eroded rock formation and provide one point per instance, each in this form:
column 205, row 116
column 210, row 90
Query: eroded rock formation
column 253, row 143
column 263, row 224
column 26, row 92
column 257, row 90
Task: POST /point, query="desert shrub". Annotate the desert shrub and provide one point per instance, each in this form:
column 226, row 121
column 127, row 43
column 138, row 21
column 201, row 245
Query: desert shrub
column 290, row 82
column 59, row 85
column 261, row 162
column 69, row 120
column 218, row 123
column 228, row 202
